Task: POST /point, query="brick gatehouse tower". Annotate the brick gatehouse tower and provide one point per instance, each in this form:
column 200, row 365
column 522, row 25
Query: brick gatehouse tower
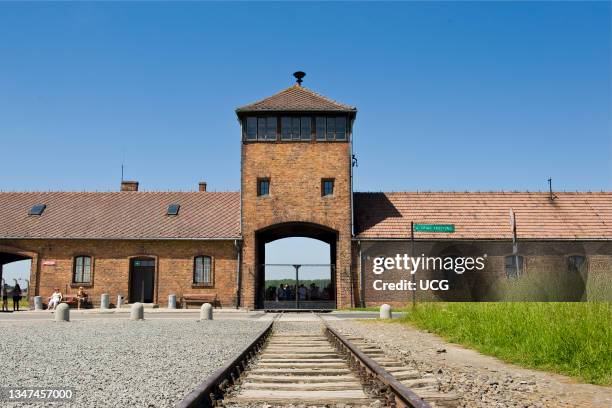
column 296, row 181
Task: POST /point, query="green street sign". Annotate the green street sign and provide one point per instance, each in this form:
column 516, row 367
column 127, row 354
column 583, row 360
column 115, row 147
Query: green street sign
column 434, row 228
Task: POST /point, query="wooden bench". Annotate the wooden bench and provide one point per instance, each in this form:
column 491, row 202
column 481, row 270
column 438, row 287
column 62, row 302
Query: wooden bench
column 201, row 298
column 73, row 301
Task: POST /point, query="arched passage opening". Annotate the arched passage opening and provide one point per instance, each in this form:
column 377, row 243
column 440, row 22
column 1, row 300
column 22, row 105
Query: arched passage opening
column 15, row 271
column 296, row 267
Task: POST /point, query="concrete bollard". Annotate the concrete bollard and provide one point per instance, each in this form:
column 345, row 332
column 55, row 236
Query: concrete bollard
column 104, row 301
column 137, row 311
column 385, row 311
column 171, row 301
column 62, row 313
column 38, row 303
column 206, row 312
column 119, row 301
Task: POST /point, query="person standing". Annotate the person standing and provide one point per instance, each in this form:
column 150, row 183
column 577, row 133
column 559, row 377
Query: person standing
column 16, row 296
column 5, row 298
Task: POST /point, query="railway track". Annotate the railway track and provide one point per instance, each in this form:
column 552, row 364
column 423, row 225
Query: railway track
column 317, row 369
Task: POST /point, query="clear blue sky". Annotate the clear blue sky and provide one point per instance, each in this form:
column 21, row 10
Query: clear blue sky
column 451, row 96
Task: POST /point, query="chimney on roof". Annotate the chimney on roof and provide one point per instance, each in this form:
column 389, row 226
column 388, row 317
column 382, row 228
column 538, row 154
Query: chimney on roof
column 202, row 186
column 129, row 185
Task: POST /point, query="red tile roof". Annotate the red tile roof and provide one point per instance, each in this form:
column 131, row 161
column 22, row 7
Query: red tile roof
column 212, row 215
column 296, row 98
column 121, row 215
column 582, row 216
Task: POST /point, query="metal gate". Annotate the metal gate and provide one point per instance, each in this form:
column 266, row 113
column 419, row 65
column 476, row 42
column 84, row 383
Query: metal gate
column 297, row 286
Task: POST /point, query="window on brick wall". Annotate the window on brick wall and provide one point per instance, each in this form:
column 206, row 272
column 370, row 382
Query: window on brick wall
column 82, row 270
column 327, row 187
column 263, row 187
column 202, row 271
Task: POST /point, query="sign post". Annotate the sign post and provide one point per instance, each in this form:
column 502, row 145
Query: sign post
column 412, row 255
column 514, row 243
column 297, row 283
column 442, row 228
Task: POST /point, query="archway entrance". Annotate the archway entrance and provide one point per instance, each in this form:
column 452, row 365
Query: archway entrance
column 296, row 267
column 15, row 270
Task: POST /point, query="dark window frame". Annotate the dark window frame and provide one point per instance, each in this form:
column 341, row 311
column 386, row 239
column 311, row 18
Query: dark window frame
column 211, row 275
column 320, row 128
column 37, row 209
column 173, row 209
column 324, row 183
column 306, row 130
column 260, row 183
column 75, row 271
column 296, row 127
column 248, row 125
column 261, row 128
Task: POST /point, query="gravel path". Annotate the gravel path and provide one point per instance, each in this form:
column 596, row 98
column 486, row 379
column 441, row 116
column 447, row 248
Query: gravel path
column 481, row 381
column 119, row 363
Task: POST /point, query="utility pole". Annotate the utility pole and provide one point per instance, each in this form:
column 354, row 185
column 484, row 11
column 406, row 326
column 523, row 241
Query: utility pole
column 297, row 283
column 412, row 272
column 514, row 242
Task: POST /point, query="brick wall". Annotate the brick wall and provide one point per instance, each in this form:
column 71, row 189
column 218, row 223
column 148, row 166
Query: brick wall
column 295, row 170
column 545, row 274
column 111, row 262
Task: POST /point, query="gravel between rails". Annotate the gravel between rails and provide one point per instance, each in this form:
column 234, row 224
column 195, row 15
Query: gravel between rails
column 119, row 363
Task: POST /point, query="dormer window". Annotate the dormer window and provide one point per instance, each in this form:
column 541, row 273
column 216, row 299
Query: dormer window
column 173, row 209
column 37, row 209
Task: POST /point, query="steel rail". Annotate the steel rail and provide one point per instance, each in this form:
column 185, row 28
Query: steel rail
column 212, row 389
column 397, row 393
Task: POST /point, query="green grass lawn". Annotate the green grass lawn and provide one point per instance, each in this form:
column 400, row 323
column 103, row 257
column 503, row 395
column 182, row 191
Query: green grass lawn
column 569, row 338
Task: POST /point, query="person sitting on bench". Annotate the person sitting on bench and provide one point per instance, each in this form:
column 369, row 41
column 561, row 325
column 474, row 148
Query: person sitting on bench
column 81, row 297
column 55, row 299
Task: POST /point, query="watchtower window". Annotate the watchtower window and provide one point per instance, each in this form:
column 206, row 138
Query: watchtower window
column 261, row 128
column 295, row 128
column 321, row 126
column 306, row 133
column 336, row 128
column 251, row 132
column 330, row 128
column 324, row 128
column 263, row 187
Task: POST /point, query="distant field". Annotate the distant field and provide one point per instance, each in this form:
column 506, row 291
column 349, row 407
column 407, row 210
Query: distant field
column 569, row 338
column 23, row 303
